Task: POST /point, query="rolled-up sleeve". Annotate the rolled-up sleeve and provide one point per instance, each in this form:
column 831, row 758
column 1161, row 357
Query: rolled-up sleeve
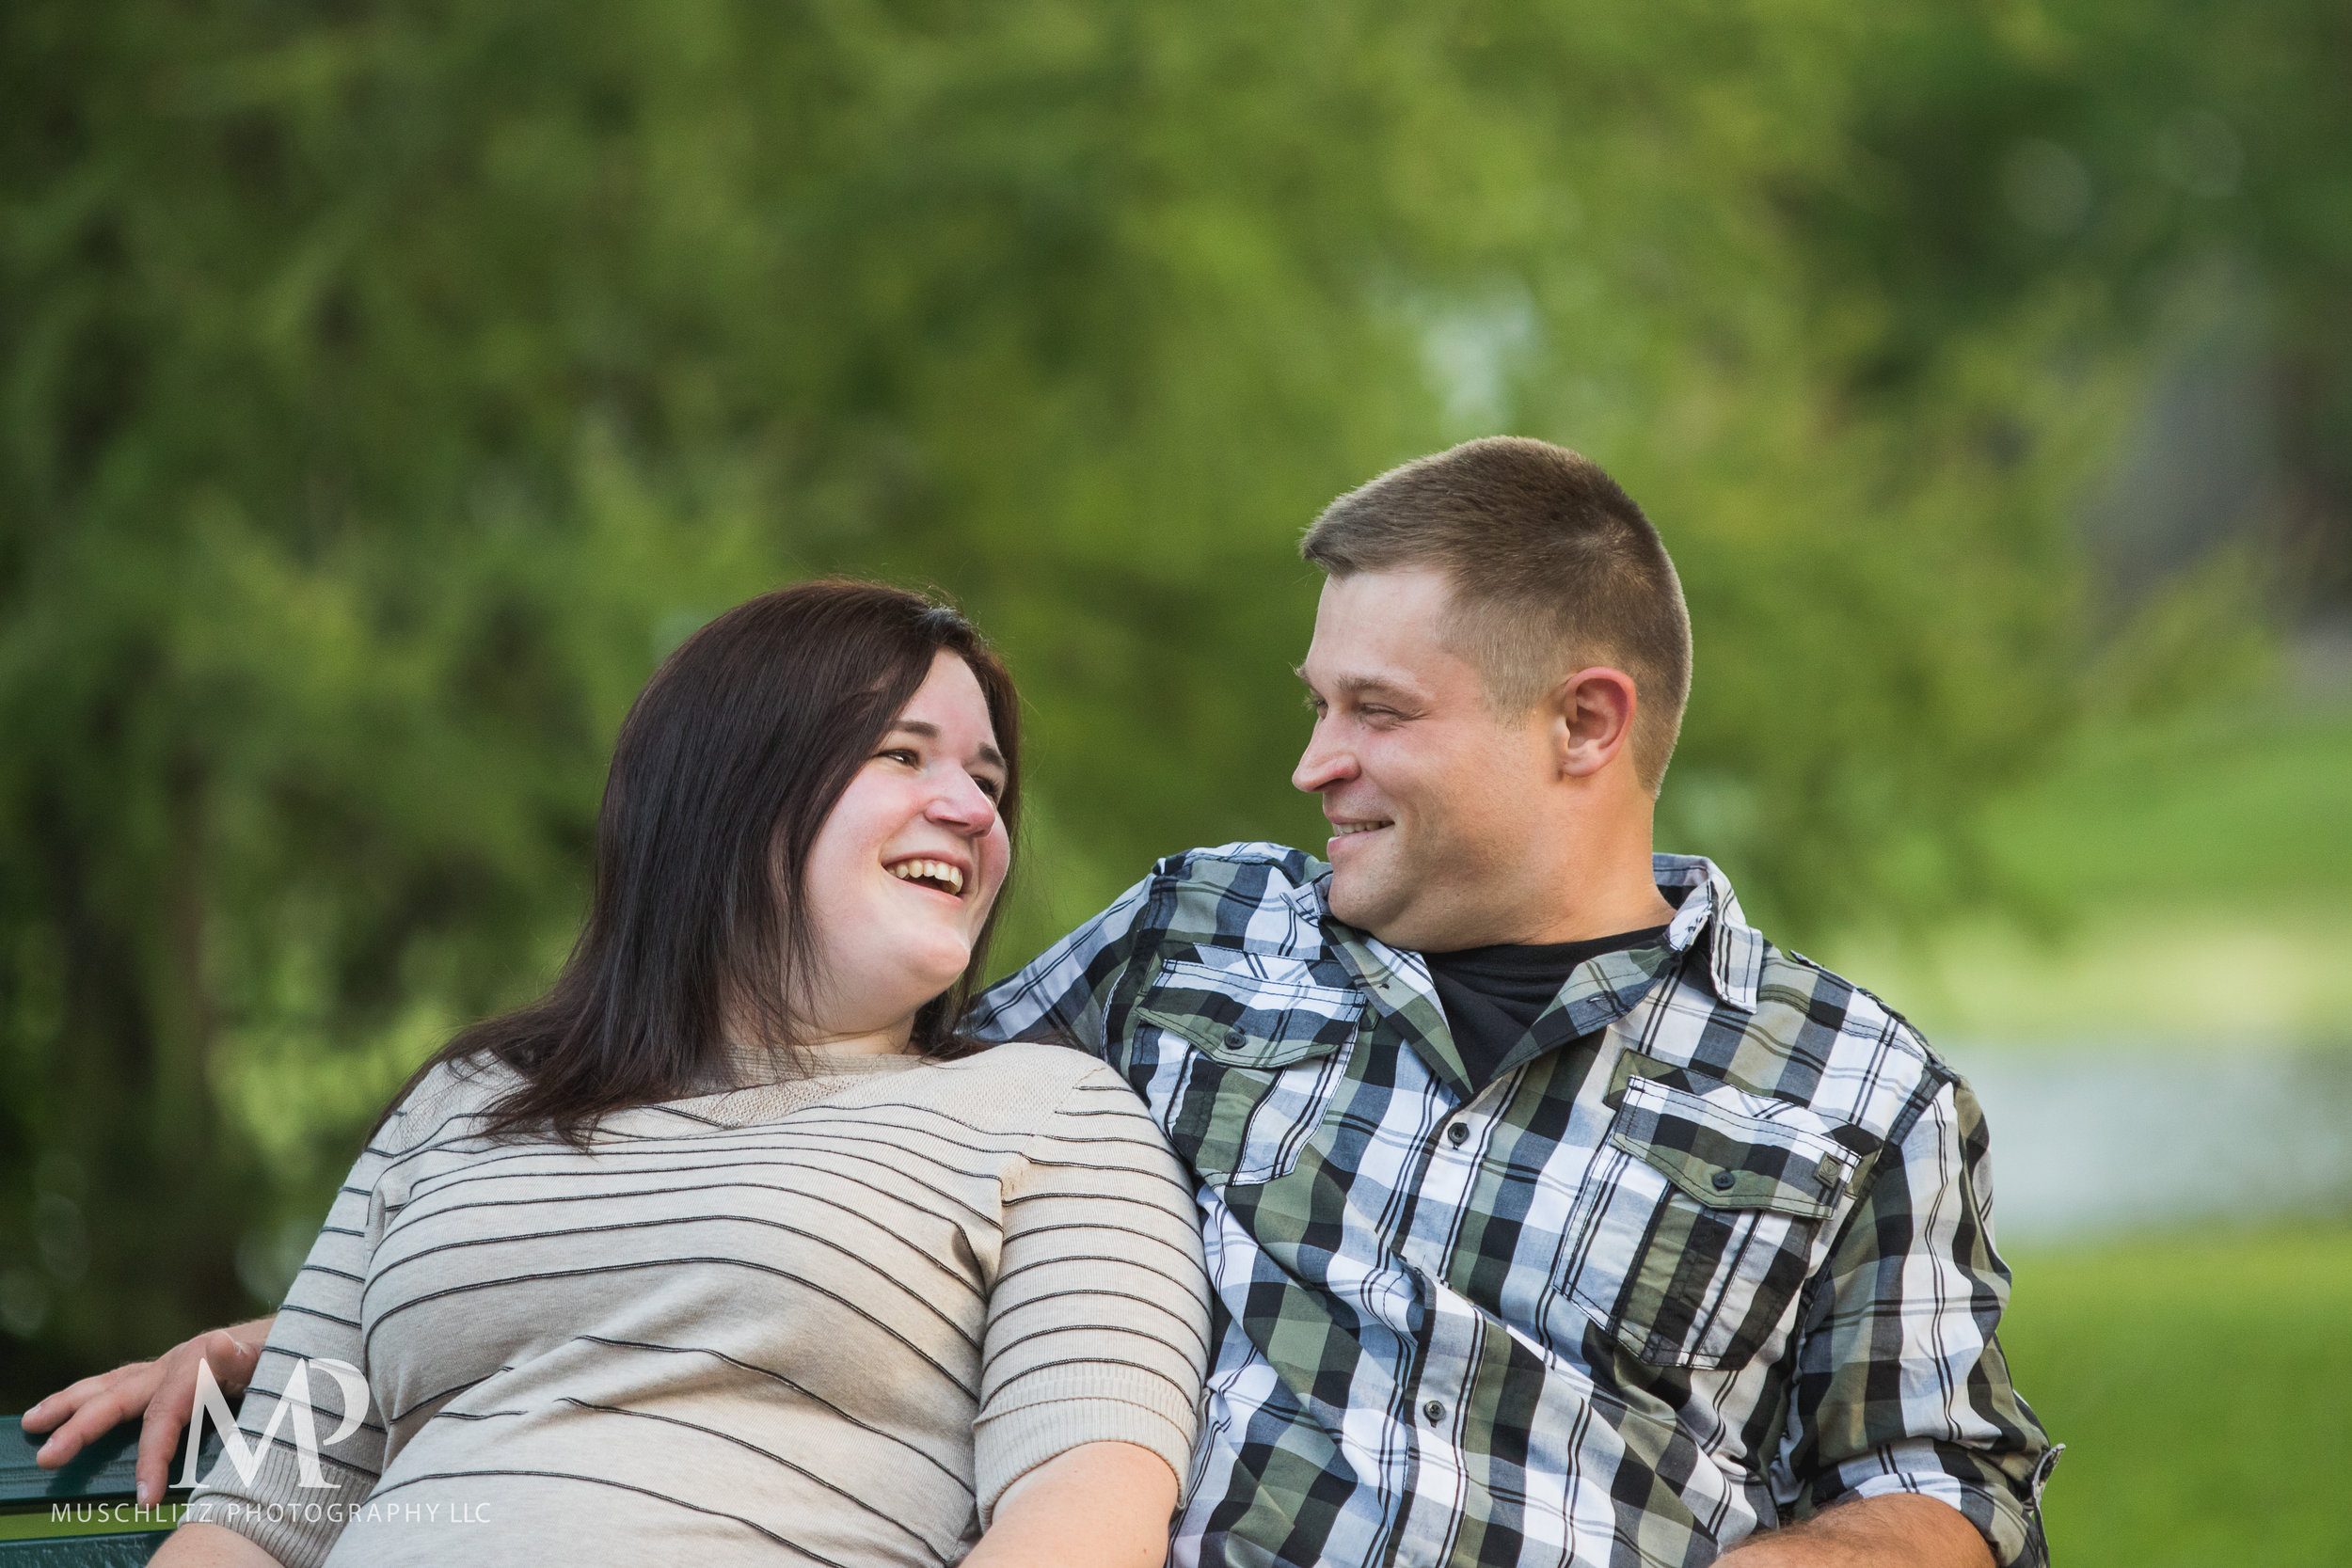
column 1899, row 1383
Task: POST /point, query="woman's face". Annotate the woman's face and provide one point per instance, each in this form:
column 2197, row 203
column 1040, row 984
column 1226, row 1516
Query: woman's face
column 905, row 869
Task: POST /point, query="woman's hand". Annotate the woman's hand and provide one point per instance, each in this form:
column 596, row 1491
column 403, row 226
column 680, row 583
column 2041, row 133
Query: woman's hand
column 1099, row 1505
column 163, row 1391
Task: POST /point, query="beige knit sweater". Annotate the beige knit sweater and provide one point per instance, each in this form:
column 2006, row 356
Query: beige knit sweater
column 828, row 1319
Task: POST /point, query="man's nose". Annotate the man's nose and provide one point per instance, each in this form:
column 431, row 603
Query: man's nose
column 1322, row 765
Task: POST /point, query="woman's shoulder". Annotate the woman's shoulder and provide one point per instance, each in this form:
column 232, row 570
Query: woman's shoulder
column 1028, row 1082
column 448, row 1101
column 1047, row 1065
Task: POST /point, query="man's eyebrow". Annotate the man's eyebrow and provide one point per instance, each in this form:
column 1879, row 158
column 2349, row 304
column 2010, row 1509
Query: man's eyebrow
column 928, row 730
column 1357, row 685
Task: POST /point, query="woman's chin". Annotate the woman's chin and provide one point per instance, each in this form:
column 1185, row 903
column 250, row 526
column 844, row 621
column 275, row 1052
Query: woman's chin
column 931, row 973
column 893, row 977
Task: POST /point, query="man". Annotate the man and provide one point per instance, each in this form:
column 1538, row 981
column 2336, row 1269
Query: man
column 1554, row 1215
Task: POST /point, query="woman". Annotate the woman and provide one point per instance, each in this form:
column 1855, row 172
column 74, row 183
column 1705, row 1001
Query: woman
column 727, row 1247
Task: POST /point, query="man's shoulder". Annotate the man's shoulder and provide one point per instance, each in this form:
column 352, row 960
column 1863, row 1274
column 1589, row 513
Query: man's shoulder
column 1793, row 985
column 1818, row 1039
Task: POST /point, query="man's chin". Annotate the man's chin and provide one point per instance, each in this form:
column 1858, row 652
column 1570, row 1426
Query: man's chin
column 1361, row 900
column 1391, row 914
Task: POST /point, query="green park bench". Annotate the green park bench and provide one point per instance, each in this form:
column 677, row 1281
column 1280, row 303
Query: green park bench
column 80, row 1515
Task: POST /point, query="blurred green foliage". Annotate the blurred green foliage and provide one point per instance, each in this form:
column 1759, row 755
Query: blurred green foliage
column 384, row 388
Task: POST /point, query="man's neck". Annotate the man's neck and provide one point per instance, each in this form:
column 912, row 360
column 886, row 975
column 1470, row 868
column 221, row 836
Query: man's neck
column 1620, row 909
column 1604, row 879
column 1600, row 877
column 1573, row 902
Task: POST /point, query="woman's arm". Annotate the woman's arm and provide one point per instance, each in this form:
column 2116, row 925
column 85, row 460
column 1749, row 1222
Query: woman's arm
column 202, row 1545
column 162, row 1391
column 1101, row 1505
column 1098, row 1317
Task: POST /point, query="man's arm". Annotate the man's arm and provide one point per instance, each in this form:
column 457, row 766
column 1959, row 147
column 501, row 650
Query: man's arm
column 162, row 1392
column 1059, row 995
column 1899, row 1392
column 1874, row 1532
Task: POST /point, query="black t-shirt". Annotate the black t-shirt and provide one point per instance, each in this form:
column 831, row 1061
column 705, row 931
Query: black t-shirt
column 1492, row 995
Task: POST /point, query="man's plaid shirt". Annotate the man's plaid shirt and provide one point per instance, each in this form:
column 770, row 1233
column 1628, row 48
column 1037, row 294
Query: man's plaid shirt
column 1711, row 1252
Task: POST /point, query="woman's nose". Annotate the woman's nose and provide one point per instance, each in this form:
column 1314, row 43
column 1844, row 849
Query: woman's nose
column 964, row 807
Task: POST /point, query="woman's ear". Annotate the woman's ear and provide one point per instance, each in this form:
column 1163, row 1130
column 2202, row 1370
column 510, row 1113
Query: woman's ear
column 1592, row 720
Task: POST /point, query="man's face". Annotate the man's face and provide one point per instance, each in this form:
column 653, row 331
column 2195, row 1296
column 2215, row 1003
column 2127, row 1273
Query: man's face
column 1431, row 798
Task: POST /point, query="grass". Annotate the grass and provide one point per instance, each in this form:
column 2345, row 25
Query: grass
column 2244, row 808
column 2202, row 1380
column 2203, row 1385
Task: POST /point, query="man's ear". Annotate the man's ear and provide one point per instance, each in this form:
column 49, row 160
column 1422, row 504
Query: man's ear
column 1591, row 720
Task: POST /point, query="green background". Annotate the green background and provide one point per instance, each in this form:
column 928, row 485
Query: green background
column 386, row 388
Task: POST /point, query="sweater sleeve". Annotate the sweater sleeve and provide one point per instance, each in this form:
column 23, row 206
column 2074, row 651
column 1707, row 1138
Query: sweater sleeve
column 1097, row 1322
column 265, row 1486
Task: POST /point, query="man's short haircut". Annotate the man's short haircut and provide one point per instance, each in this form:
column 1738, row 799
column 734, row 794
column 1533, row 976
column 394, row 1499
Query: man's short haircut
column 1553, row 569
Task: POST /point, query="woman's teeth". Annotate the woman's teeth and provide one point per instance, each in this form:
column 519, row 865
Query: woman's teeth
column 936, row 871
column 1341, row 830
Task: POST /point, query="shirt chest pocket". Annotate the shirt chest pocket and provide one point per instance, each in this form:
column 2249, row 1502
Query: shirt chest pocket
column 1702, row 1218
column 1249, row 1059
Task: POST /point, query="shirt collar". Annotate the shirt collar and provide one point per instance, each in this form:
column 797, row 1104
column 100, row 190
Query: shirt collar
column 1734, row 965
column 1735, row 960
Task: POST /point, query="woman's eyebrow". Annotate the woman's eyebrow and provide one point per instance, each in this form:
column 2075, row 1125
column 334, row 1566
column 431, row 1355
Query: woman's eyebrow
column 927, row 731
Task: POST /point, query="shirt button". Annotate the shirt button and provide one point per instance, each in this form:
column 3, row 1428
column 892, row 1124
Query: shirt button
column 1723, row 1181
column 1435, row 1410
column 1457, row 1134
column 1234, row 1036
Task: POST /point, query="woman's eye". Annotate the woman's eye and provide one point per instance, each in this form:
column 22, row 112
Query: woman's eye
column 990, row 788
column 901, row 754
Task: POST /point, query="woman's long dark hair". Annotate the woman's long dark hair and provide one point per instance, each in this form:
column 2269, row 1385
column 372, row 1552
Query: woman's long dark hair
column 725, row 769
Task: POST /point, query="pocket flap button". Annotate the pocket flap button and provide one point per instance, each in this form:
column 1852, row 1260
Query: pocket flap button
column 1723, row 1181
column 1235, row 1037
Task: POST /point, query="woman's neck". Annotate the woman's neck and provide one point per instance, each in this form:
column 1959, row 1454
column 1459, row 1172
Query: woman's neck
column 892, row 1042
column 829, row 1030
